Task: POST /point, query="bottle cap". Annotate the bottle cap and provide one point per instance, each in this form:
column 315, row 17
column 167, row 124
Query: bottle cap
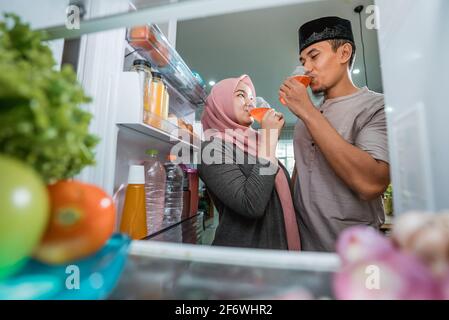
column 156, row 75
column 136, row 175
column 141, row 62
column 152, row 152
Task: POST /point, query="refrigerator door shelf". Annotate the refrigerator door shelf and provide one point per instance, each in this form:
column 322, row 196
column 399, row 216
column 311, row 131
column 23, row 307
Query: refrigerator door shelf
column 151, row 44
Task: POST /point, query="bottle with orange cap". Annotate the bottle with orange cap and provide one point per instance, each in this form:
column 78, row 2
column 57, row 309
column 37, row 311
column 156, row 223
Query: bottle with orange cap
column 173, row 192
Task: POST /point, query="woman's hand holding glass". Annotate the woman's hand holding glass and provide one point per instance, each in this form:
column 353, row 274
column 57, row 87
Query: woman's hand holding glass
column 272, row 124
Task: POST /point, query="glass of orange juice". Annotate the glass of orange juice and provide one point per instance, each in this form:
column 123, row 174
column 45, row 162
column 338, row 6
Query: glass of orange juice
column 299, row 74
column 260, row 110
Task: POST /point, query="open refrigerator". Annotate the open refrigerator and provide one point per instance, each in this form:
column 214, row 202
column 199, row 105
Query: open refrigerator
column 181, row 271
column 170, row 264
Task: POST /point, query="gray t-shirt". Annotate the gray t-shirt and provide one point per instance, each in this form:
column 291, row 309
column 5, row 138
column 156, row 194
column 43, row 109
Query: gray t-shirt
column 326, row 204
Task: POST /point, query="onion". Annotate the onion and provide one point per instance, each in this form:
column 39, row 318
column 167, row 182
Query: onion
column 427, row 237
column 361, row 243
column 396, row 276
column 431, row 245
column 407, row 226
column 445, row 287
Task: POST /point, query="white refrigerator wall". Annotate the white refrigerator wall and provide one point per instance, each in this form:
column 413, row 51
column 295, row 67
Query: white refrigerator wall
column 414, row 48
column 101, row 72
column 100, row 64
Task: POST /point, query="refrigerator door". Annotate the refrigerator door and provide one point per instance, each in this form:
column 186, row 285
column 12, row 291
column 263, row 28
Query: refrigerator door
column 414, row 50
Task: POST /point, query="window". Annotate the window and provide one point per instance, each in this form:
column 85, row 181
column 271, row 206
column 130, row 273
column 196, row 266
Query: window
column 285, row 154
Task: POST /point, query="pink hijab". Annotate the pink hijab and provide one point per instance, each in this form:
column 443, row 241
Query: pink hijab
column 219, row 115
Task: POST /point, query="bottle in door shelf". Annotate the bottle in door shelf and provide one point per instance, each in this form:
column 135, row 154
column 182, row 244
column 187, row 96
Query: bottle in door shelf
column 165, row 108
column 143, row 68
column 155, row 178
column 165, row 103
column 173, row 192
column 133, row 220
column 156, row 100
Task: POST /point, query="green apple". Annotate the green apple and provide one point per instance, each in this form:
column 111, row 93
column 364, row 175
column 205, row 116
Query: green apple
column 24, row 213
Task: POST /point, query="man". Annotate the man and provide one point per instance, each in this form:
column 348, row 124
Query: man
column 341, row 148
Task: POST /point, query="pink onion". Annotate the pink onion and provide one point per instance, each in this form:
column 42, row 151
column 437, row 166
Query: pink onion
column 426, row 237
column 407, row 225
column 445, row 287
column 360, row 243
column 396, row 276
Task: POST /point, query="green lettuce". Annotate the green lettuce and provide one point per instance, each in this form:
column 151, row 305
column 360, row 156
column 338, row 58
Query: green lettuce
column 41, row 121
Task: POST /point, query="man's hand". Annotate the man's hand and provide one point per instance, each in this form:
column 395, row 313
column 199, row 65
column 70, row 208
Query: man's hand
column 296, row 98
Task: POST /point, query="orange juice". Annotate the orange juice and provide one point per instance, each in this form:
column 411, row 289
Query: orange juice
column 259, row 113
column 165, row 104
column 157, row 93
column 134, row 222
column 305, row 80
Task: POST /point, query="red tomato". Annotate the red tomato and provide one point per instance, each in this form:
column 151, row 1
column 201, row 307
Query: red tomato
column 82, row 219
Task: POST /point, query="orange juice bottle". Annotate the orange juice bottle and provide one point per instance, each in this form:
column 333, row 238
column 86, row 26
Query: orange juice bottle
column 134, row 221
column 156, row 100
column 143, row 68
column 165, row 103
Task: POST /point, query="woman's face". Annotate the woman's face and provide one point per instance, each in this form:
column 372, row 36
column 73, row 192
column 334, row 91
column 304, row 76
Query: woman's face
column 243, row 103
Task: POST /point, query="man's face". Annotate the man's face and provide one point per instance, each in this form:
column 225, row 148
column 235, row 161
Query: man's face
column 323, row 64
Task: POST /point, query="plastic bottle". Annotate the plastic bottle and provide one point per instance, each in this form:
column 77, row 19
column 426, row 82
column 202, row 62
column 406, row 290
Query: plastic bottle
column 134, row 216
column 154, row 191
column 173, row 192
column 157, row 94
column 143, row 68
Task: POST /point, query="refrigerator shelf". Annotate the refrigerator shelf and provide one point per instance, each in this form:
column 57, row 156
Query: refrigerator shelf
column 158, row 270
column 164, row 136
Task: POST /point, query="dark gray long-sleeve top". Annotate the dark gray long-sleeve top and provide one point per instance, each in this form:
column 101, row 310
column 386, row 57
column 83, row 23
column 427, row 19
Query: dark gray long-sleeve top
column 250, row 212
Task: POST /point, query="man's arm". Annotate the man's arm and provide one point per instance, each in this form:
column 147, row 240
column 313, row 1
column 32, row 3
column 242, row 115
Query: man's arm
column 367, row 177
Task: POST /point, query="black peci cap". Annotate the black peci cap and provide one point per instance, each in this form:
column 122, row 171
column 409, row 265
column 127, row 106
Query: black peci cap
column 327, row 28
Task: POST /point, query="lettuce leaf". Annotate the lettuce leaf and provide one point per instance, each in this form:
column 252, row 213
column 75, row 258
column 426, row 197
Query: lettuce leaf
column 41, row 121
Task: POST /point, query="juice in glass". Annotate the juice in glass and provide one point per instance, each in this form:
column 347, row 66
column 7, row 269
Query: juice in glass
column 259, row 113
column 299, row 75
column 261, row 108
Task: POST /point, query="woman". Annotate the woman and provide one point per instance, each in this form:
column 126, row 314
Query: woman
column 248, row 185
